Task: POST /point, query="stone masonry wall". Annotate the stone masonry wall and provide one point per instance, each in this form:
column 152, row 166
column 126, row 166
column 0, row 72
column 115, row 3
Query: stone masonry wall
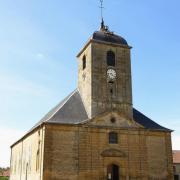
column 85, row 79
column 27, row 157
column 159, row 156
column 121, row 99
column 61, row 153
column 76, row 153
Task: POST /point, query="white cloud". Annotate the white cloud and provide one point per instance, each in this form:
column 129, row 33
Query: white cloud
column 40, row 56
column 7, row 137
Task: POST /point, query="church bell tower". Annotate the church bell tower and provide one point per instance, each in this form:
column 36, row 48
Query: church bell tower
column 104, row 74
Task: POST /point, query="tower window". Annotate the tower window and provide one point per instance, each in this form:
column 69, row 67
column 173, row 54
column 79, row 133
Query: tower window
column 113, row 138
column 110, row 58
column 84, row 62
column 111, row 91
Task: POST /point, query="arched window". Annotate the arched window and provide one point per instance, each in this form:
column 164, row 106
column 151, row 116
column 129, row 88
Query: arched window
column 113, row 138
column 15, row 164
column 37, row 160
column 110, row 58
column 84, row 62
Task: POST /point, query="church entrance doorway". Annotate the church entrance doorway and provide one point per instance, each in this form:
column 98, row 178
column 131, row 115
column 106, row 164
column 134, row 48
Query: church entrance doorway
column 113, row 172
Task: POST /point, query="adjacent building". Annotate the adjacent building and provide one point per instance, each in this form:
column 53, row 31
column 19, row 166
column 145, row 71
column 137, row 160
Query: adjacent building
column 176, row 164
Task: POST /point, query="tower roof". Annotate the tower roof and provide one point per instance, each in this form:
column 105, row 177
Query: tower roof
column 107, row 36
column 104, row 35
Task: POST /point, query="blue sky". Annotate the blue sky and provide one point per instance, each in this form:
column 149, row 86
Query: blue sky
column 39, row 41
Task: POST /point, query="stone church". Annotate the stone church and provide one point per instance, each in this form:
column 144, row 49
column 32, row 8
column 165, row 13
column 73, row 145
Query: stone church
column 95, row 133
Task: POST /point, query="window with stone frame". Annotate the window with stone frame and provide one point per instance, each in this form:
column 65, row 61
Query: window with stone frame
column 110, row 58
column 113, row 138
column 37, row 160
column 84, row 62
column 38, row 152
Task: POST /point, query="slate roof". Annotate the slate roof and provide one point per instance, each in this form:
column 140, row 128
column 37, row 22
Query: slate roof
column 147, row 122
column 109, row 37
column 71, row 111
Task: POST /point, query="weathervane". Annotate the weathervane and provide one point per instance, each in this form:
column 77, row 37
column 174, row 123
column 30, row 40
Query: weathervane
column 102, row 20
column 103, row 27
column 101, row 7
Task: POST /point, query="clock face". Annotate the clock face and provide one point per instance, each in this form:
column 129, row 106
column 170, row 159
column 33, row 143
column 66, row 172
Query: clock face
column 111, row 74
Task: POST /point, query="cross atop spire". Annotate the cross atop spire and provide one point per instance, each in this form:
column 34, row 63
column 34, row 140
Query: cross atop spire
column 101, row 7
column 102, row 20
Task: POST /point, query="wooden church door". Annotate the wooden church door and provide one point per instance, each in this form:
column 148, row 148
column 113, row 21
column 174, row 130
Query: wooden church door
column 113, row 172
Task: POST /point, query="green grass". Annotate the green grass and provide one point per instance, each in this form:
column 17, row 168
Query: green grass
column 4, row 178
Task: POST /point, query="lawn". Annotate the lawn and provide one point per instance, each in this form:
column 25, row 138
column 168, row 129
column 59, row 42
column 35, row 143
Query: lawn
column 4, row 178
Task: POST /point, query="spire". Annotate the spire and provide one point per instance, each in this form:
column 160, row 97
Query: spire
column 103, row 27
column 102, row 24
